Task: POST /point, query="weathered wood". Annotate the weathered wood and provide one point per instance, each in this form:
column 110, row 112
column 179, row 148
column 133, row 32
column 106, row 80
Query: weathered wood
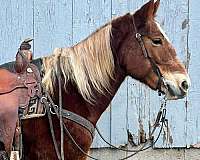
column 156, row 154
column 172, row 15
column 193, row 111
column 146, row 101
column 16, row 24
column 87, row 17
column 52, row 25
column 65, row 22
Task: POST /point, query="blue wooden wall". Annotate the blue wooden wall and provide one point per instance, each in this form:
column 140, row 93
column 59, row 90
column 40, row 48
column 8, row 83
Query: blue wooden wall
column 59, row 23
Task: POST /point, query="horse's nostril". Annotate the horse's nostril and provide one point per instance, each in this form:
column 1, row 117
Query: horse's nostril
column 185, row 85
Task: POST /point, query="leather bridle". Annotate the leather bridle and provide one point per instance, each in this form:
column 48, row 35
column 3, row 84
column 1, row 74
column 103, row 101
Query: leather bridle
column 156, row 69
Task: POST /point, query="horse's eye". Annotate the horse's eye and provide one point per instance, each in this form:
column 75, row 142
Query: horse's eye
column 157, row 42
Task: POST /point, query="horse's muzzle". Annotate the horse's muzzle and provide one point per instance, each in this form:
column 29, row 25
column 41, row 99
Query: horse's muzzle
column 177, row 86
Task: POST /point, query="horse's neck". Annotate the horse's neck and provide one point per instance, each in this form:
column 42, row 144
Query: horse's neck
column 74, row 102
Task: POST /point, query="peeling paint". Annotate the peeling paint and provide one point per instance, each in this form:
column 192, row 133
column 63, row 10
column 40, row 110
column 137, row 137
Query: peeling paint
column 142, row 134
column 185, row 23
column 167, row 136
column 131, row 138
column 82, row 18
column 197, row 145
column 188, row 59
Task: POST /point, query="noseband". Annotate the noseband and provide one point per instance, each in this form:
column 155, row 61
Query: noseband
column 154, row 66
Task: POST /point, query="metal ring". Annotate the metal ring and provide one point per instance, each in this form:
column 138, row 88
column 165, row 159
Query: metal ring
column 42, row 99
column 138, row 35
column 53, row 111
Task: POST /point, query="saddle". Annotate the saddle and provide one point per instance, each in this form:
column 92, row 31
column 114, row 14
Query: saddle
column 17, row 89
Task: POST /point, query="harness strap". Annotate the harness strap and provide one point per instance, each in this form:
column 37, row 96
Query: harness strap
column 79, row 120
column 70, row 116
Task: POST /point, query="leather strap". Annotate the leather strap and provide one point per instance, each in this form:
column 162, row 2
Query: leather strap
column 65, row 113
column 155, row 68
column 79, row 120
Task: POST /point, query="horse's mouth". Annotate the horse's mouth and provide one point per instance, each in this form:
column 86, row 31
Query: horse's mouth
column 175, row 85
column 172, row 91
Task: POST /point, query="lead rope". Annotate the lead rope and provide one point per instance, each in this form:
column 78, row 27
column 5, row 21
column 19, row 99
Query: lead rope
column 162, row 111
column 161, row 117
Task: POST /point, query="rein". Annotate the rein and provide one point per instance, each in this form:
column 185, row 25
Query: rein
column 161, row 118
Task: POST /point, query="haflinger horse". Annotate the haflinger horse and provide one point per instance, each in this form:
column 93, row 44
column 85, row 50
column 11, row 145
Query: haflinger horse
column 93, row 70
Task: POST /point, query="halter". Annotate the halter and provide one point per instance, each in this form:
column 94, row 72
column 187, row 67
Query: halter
column 154, row 66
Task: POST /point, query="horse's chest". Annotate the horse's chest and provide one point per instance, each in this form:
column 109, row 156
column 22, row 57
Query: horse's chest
column 39, row 145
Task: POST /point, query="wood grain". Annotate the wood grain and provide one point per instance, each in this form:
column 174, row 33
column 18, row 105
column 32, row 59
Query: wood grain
column 63, row 23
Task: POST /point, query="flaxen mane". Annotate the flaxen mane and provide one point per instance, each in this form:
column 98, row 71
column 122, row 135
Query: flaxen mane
column 89, row 64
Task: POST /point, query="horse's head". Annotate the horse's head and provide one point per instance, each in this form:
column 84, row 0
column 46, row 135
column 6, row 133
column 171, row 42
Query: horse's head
column 161, row 55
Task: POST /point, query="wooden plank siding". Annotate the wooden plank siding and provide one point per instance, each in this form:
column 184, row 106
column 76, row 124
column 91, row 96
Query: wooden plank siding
column 193, row 111
column 52, row 25
column 60, row 23
column 16, row 23
column 173, row 16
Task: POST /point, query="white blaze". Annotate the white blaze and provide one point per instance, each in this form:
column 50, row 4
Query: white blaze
column 163, row 32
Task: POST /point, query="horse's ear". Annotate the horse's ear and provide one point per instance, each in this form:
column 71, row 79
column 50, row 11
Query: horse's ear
column 147, row 11
column 156, row 6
